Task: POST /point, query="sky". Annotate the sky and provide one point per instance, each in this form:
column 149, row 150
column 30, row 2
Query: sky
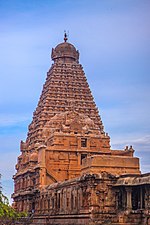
column 113, row 38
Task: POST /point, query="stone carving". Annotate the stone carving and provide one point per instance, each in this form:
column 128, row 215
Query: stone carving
column 67, row 172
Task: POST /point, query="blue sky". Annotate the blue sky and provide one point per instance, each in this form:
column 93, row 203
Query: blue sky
column 113, row 38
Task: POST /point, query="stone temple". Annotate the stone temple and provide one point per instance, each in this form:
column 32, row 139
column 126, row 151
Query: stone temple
column 67, row 172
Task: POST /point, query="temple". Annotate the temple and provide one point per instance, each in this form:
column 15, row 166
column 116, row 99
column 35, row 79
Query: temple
column 67, row 172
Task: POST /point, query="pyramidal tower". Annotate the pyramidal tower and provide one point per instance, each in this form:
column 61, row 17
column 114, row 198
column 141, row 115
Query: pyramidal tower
column 66, row 89
column 66, row 122
column 65, row 140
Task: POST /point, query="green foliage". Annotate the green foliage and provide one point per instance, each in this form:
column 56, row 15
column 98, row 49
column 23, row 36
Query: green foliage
column 7, row 213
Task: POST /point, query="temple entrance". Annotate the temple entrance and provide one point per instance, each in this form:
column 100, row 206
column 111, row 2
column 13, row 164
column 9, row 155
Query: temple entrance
column 121, row 199
column 133, row 199
column 138, row 194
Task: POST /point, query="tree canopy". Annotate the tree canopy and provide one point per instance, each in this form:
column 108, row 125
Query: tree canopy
column 8, row 215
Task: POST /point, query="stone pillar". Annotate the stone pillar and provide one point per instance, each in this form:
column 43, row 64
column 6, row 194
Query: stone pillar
column 68, row 199
column 27, row 205
column 64, row 200
column 147, row 198
column 42, row 164
column 61, row 200
column 141, row 198
column 54, row 201
column 79, row 159
column 75, row 202
column 79, row 199
column 58, row 200
column 129, row 200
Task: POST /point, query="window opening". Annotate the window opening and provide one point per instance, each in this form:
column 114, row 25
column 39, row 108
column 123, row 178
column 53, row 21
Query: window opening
column 83, row 142
column 83, row 156
column 138, row 194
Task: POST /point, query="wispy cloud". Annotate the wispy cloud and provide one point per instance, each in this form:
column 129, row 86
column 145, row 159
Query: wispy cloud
column 7, row 164
column 12, row 120
column 143, row 142
column 141, row 146
column 7, row 188
column 113, row 38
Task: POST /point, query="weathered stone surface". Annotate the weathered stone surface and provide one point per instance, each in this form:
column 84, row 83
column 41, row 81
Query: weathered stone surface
column 67, row 172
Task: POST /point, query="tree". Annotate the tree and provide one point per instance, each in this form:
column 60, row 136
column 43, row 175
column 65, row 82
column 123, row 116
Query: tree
column 7, row 214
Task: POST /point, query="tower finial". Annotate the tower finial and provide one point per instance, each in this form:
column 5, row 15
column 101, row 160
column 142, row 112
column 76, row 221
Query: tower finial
column 65, row 36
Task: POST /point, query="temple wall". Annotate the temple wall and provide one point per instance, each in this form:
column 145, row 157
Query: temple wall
column 77, row 201
column 115, row 165
column 66, row 172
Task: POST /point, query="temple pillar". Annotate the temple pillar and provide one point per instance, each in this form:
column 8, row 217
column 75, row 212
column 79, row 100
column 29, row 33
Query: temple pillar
column 129, row 199
column 64, row 200
column 75, row 200
column 61, row 200
column 141, row 198
column 79, row 159
column 42, row 164
column 79, row 198
column 55, row 200
column 58, row 201
column 147, row 197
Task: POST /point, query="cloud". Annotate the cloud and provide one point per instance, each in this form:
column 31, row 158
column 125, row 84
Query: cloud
column 12, row 126
column 145, row 168
column 143, row 142
column 7, row 188
column 141, row 146
column 115, row 32
column 7, row 164
column 12, row 120
column 127, row 122
column 113, row 40
column 9, row 152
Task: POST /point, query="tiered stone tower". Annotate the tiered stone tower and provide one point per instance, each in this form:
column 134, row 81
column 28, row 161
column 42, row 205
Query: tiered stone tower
column 66, row 120
column 65, row 89
column 65, row 141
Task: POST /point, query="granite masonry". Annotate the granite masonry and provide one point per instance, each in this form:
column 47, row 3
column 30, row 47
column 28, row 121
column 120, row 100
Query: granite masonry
column 67, row 172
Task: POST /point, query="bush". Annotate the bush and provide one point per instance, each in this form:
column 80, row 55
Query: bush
column 7, row 214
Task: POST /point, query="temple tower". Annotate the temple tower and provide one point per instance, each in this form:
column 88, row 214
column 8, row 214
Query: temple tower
column 66, row 89
column 66, row 137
